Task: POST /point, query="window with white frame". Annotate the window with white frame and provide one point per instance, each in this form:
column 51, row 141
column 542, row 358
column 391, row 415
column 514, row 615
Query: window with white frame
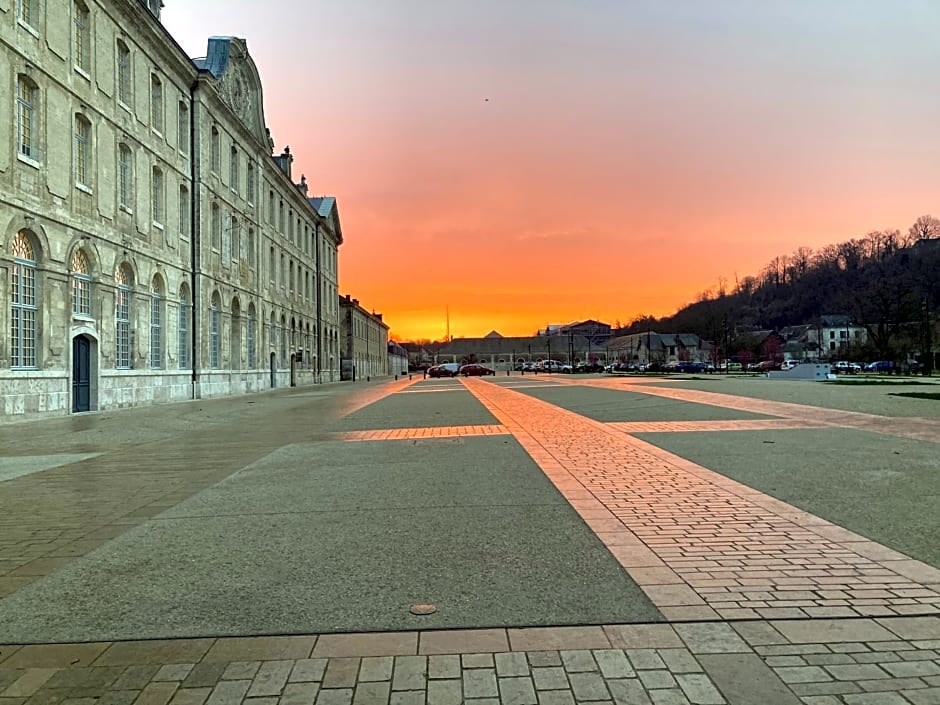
column 156, row 324
column 125, row 177
column 124, row 73
column 122, row 318
column 27, row 12
column 24, row 300
column 27, row 97
column 157, row 196
column 81, row 284
column 215, row 146
column 82, row 36
column 82, row 151
column 183, row 128
column 215, row 318
column 183, row 328
column 156, row 103
column 184, row 213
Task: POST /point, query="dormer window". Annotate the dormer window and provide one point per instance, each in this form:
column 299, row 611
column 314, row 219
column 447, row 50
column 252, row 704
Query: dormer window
column 154, row 7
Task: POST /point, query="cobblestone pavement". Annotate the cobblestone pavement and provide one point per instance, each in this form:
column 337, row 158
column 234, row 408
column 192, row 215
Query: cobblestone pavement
column 890, row 661
column 768, row 605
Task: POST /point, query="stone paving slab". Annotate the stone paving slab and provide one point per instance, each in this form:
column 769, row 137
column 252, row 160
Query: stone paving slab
column 847, row 661
column 413, row 410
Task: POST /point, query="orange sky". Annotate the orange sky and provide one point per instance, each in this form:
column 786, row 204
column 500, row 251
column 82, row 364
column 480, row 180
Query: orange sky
column 544, row 163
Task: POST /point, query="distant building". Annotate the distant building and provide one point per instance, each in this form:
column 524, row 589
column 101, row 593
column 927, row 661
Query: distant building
column 659, row 347
column 365, row 341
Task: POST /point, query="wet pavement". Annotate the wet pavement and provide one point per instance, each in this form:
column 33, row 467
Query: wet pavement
column 580, row 539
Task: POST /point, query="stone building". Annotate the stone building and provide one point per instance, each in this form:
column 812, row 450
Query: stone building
column 365, row 341
column 152, row 247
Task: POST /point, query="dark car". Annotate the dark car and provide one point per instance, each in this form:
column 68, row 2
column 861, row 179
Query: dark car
column 688, row 366
column 474, row 370
column 445, row 370
column 589, row 367
column 880, row 366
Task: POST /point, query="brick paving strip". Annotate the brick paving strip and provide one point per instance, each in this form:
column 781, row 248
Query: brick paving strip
column 395, row 434
column 703, row 546
column 887, row 661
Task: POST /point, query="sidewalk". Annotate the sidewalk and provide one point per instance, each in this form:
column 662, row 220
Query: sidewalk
column 764, row 602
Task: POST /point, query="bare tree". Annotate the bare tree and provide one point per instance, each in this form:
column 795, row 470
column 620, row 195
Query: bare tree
column 924, row 228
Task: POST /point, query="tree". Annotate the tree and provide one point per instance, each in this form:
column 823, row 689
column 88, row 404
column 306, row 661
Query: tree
column 924, row 228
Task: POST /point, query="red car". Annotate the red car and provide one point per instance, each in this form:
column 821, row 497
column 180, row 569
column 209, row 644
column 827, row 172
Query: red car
column 475, row 370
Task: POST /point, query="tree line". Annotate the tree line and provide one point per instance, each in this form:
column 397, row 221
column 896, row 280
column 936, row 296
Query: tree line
column 887, row 281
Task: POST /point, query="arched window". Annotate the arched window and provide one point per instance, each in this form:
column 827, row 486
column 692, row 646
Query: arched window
column 82, row 151
column 125, row 177
column 157, row 196
column 185, row 317
column 250, row 337
column 123, row 73
column 24, row 303
column 82, row 48
column 122, row 317
column 27, row 98
column 81, row 284
column 156, row 324
column 156, row 103
column 215, row 324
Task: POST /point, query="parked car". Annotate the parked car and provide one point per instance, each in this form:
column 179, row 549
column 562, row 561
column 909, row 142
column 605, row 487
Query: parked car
column 789, row 364
column 732, row 366
column 690, row 366
column 447, row 369
column 880, row 366
column 548, row 366
column 845, row 367
column 474, row 370
column 588, row 367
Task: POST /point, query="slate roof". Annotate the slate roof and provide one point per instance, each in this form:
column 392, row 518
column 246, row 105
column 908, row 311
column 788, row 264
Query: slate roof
column 323, row 204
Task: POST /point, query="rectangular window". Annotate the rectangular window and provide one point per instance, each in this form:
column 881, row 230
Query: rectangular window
column 123, row 73
column 216, row 227
column 230, row 224
column 156, row 331
column 122, row 319
column 184, row 213
column 26, row 93
column 26, row 12
column 214, row 337
column 251, row 341
column 215, row 146
column 23, row 323
column 156, row 104
column 250, row 185
column 233, row 170
column 183, row 343
column 158, row 197
column 125, row 177
column 272, row 267
column 82, row 150
column 82, row 36
column 183, row 129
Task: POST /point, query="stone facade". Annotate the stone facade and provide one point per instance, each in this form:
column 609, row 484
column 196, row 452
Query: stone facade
column 365, row 341
column 151, row 247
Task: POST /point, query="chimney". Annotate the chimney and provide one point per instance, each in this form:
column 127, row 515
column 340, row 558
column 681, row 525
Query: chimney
column 302, row 186
column 284, row 161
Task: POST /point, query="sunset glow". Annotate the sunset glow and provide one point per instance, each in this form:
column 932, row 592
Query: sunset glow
column 528, row 163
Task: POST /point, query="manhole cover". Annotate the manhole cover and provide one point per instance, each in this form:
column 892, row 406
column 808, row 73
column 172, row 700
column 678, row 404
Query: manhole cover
column 422, row 609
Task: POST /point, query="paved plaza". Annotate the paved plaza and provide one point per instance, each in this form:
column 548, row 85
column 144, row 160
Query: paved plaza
column 517, row 539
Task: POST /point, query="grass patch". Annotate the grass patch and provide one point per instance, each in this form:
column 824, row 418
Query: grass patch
column 861, row 382
column 918, row 395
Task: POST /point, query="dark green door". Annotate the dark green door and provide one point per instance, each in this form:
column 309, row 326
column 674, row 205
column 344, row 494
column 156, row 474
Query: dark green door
column 81, row 374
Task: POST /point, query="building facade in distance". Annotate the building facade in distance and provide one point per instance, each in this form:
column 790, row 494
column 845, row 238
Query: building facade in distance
column 152, row 247
column 365, row 351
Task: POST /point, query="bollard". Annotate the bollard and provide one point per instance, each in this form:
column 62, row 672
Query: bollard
column 367, row 378
column 507, row 373
column 409, row 376
column 396, row 378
